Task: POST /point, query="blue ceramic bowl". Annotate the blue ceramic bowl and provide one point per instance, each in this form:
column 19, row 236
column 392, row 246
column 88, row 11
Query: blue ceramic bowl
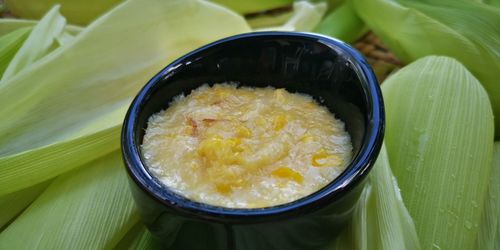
column 331, row 71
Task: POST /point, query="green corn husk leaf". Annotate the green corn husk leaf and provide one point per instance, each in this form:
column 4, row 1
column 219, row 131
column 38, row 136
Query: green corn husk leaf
column 138, row 238
column 84, row 12
column 10, row 44
column 34, row 166
column 52, row 105
column 64, row 38
column 381, row 220
column 29, row 41
column 355, row 234
column 270, row 20
column 332, row 4
column 343, row 23
column 145, row 241
column 12, row 204
column 9, row 25
column 495, row 3
column 90, row 208
column 497, row 239
column 76, row 11
column 491, row 214
column 306, row 16
column 439, row 137
column 496, row 173
column 39, row 43
column 465, row 30
column 253, row 6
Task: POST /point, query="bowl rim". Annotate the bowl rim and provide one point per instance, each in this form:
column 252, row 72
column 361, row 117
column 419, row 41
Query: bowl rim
column 352, row 176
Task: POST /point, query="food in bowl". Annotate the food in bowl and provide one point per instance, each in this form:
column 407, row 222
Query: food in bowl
column 242, row 147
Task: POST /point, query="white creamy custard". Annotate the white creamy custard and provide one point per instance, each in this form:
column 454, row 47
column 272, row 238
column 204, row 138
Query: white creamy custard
column 243, row 147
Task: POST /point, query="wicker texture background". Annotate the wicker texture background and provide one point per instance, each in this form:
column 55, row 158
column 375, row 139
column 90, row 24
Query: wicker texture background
column 380, row 58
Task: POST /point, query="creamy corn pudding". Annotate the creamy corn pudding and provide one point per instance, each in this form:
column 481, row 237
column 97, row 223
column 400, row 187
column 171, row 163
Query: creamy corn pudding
column 245, row 147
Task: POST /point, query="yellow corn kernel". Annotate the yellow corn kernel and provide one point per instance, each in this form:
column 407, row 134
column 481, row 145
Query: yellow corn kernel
column 307, row 138
column 234, row 142
column 223, row 188
column 287, row 173
column 220, row 150
column 279, row 122
column 201, row 97
column 322, row 158
column 243, row 131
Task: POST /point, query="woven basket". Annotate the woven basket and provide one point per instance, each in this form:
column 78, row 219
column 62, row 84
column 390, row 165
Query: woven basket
column 378, row 56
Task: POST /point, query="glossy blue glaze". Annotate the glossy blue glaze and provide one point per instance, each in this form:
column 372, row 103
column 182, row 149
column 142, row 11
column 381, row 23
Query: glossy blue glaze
column 331, row 71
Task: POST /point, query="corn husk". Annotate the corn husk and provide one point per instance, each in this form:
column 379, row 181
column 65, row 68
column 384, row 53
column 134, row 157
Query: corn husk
column 8, row 25
column 342, row 23
column 490, row 224
column 497, row 239
column 252, row 6
column 90, row 208
column 306, row 16
column 269, row 20
column 332, row 4
column 10, row 44
column 138, row 238
column 36, row 166
column 12, row 204
column 84, row 12
column 55, row 127
column 381, row 220
column 77, row 12
column 439, row 138
column 57, row 138
column 495, row 3
column 496, row 191
column 39, row 43
column 462, row 29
